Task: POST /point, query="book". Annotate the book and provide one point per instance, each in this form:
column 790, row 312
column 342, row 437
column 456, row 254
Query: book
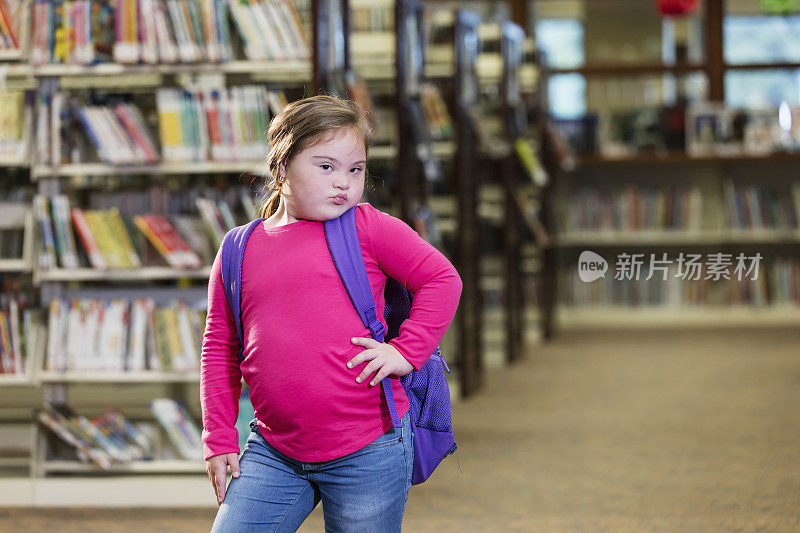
column 9, row 36
column 44, row 233
column 16, row 122
column 181, row 430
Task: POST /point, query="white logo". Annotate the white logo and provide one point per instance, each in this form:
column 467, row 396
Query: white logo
column 591, row 266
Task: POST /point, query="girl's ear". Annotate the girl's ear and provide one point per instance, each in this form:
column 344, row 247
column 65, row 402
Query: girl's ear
column 282, row 170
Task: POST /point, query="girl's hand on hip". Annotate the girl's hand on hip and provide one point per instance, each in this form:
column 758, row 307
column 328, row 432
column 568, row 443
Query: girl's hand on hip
column 383, row 358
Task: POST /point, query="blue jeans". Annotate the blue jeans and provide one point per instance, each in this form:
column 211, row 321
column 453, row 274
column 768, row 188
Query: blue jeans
column 362, row 491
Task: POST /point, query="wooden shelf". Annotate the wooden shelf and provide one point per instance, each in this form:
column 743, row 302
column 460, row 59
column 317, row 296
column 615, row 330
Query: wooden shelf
column 16, row 380
column 389, row 151
column 762, row 66
column 11, row 55
column 175, row 466
column 15, row 70
column 642, row 238
column 676, row 238
column 684, row 316
column 14, row 265
column 277, row 70
column 14, row 163
column 683, row 157
column 101, row 169
column 622, row 69
column 135, row 274
column 118, row 377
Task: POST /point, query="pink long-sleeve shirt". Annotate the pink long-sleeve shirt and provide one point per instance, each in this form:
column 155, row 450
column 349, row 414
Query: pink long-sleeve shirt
column 298, row 321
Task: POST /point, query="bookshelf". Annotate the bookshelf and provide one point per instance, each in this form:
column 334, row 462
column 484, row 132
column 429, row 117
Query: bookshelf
column 746, row 194
column 469, row 250
column 91, row 183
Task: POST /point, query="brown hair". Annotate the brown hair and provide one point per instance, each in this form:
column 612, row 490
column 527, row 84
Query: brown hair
column 301, row 124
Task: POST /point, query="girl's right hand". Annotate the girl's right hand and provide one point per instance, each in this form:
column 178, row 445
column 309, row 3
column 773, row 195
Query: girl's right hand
column 217, row 470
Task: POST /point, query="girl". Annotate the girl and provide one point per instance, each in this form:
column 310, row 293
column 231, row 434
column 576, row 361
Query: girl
column 322, row 431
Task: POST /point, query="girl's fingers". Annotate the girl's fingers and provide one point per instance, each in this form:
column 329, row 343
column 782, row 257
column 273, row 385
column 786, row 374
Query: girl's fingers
column 367, row 342
column 371, row 367
column 219, row 479
column 233, row 460
column 382, row 373
column 366, row 355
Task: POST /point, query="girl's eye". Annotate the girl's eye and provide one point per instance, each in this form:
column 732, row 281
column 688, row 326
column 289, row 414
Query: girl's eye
column 325, row 166
column 356, row 169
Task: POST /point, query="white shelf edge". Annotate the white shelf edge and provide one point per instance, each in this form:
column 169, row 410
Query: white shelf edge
column 670, row 316
column 389, row 151
column 100, row 169
column 13, row 379
column 49, row 376
column 170, row 466
column 144, row 273
column 667, row 237
column 14, row 265
column 300, row 68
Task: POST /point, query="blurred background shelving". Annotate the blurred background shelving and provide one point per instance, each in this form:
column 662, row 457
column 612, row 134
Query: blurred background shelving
column 682, row 137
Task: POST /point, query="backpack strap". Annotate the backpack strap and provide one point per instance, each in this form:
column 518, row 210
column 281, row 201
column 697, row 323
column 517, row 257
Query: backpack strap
column 233, row 245
column 342, row 237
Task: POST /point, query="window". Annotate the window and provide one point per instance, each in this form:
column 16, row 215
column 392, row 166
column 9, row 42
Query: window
column 562, row 41
column 761, row 39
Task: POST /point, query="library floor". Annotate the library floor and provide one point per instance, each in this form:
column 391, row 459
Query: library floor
column 694, row 430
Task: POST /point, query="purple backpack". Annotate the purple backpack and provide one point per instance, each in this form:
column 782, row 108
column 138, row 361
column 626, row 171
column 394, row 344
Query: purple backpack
column 427, row 391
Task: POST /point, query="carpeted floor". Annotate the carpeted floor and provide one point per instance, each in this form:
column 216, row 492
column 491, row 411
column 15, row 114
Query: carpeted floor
column 683, row 431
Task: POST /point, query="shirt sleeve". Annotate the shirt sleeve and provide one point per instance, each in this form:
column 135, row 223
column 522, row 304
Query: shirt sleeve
column 405, row 256
column 220, row 373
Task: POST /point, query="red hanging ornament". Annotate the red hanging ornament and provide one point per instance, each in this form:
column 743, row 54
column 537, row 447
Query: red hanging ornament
column 676, row 7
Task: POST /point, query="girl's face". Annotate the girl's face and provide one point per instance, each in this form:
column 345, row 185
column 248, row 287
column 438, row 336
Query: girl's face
column 326, row 179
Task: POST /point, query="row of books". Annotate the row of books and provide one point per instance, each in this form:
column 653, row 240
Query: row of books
column 76, row 32
column 171, row 31
column 123, row 336
column 12, row 15
column 227, row 124
column 784, row 281
column 219, row 125
column 270, row 29
column 107, row 239
column 16, row 119
column 118, row 132
column 635, row 208
column 103, row 440
column 198, row 213
column 16, row 334
column 777, row 283
column 111, row 438
column 760, row 207
column 86, row 32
